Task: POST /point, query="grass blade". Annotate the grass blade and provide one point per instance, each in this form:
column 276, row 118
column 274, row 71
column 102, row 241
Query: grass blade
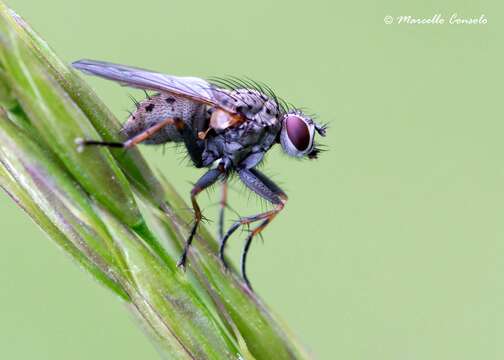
column 85, row 202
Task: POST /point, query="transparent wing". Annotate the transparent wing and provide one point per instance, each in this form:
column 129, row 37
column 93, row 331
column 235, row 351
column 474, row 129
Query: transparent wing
column 192, row 88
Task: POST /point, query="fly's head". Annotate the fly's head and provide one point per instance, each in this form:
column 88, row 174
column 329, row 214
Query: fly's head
column 297, row 136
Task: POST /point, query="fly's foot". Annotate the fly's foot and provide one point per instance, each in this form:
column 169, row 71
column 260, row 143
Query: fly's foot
column 181, row 263
column 246, row 285
column 222, row 259
column 183, row 258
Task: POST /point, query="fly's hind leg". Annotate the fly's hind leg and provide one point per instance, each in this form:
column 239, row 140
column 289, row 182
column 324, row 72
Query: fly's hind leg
column 135, row 140
column 207, row 180
column 264, row 187
column 193, row 145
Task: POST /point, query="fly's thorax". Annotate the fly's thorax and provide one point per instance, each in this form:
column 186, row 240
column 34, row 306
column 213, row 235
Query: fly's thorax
column 254, row 104
column 157, row 108
column 254, row 137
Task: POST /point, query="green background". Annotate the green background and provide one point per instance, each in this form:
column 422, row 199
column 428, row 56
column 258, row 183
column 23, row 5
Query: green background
column 391, row 246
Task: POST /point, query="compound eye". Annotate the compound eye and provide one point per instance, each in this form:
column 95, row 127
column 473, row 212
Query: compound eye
column 298, row 132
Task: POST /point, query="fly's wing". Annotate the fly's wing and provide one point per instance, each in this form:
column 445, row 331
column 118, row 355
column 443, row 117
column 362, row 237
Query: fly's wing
column 192, row 88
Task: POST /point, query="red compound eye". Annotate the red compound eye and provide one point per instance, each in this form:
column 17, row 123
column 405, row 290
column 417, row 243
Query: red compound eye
column 298, row 132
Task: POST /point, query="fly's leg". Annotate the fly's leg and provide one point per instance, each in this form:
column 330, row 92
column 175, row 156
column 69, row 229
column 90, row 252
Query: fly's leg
column 207, row 180
column 246, row 247
column 223, row 205
column 135, row 140
column 264, row 187
column 267, row 216
column 194, row 147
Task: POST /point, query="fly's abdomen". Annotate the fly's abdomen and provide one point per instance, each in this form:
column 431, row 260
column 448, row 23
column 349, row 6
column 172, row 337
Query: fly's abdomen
column 157, row 108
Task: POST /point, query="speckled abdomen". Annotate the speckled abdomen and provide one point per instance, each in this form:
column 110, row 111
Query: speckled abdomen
column 157, row 108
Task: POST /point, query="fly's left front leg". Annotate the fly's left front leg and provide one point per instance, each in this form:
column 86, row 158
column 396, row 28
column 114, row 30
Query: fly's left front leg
column 207, row 180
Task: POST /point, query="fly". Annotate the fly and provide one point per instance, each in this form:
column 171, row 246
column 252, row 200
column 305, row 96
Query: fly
column 226, row 125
